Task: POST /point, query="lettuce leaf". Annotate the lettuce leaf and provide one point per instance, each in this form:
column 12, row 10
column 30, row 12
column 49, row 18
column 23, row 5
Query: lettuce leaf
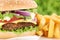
column 8, row 14
column 21, row 30
column 1, row 16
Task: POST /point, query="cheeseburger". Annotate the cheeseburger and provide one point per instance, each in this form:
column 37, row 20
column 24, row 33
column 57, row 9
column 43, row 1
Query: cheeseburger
column 16, row 20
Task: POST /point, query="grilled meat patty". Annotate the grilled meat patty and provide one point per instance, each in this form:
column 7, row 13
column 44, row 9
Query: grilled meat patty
column 13, row 26
column 25, row 24
column 9, row 26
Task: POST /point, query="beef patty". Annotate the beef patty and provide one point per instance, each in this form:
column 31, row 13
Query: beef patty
column 13, row 26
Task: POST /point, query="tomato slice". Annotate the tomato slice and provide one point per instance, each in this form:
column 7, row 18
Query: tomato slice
column 5, row 21
column 0, row 20
column 11, row 20
column 14, row 18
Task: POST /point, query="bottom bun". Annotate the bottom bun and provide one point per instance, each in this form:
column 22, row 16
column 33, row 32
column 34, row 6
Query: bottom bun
column 6, row 35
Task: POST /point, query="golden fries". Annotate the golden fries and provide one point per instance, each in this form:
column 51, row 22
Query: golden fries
column 40, row 33
column 47, row 17
column 38, row 18
column 49, row 26
column 42, row 22
column 45, row 28
column 57, row 31
column 55, row 18
column 51, row 29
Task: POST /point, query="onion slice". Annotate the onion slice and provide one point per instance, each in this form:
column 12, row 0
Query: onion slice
column 23, row 13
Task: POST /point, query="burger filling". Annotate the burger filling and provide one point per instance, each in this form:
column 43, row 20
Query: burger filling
column 13, row 26
column 17, row 21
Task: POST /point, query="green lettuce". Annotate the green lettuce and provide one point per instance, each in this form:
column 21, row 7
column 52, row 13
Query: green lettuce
column 1, row 16
column 7, row 14
column 21, row 30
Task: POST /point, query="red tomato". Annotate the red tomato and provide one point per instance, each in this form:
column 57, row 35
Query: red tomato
column 13, row 19
column 5, row 21
column 0, row 20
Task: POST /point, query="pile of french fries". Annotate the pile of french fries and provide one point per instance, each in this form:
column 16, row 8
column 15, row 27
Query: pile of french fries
column 49, row 25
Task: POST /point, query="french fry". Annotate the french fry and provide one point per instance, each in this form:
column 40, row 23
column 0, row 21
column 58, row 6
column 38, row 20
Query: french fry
column 38, row 16
column 47, row 17
column 58, row 17
column 45, row 33
column 51, row 29
column 57, row 31
column 55, row 18
column 54, row 14
column 42, row 22
column 45, row 28
column 40, row 33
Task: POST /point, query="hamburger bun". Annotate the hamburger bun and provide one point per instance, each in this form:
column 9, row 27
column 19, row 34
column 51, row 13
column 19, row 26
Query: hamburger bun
column 6, row 35
column 8, row 5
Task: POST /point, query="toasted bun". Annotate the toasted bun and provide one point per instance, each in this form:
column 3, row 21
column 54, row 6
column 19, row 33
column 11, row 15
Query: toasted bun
column 6, row 35
column 7, row 5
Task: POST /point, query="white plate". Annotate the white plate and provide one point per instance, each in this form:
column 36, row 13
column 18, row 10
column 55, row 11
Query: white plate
column 25, row 38
column 31, row 38
column 42, row 38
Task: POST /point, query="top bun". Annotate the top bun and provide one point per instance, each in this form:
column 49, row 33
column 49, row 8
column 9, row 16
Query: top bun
column 7, row 5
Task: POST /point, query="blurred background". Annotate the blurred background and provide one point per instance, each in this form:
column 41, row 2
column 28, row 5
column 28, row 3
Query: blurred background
column 48, row 7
